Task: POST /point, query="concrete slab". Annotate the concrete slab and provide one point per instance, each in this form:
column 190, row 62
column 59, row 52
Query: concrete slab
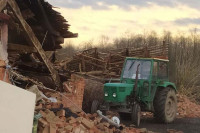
column 16, row 109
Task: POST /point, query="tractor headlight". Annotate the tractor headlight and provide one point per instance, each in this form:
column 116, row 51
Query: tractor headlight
column 106, row 94
column 114, row 94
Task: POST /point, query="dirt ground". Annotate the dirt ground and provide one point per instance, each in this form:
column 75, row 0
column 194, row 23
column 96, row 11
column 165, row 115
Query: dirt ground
column 186, row 125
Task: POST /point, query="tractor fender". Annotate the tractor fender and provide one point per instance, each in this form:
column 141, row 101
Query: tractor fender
column 167, row 84
column 162, row 85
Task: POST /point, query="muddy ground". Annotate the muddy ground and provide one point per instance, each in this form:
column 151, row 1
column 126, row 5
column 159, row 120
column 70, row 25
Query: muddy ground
column 186, row 125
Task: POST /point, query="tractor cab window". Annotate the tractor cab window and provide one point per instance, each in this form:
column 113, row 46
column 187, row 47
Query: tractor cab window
column 131, row 69
column 162, row 70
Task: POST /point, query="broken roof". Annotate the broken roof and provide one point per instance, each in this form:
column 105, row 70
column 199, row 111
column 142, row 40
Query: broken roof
column 33, row 28
column 49, row 26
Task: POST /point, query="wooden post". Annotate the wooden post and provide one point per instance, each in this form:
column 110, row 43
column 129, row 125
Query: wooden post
column 83, row 64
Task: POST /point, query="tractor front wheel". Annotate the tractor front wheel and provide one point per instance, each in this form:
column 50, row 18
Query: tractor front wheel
column 165, row 105
column 136, row 114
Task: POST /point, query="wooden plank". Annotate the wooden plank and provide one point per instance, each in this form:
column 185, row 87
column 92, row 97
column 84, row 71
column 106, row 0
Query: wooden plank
column 21, row 48
column 91, row 58
column 99, row 66
column 3, row 3
column 32, row 39
column 92, row 73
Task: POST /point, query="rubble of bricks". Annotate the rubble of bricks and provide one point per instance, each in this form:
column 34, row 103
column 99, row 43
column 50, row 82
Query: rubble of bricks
column 83, row 123
column 187, row 108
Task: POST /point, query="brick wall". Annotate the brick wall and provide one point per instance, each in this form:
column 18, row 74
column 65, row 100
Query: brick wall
column 75, row 91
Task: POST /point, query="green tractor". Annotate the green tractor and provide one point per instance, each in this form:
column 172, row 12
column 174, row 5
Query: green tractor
column 144, row 86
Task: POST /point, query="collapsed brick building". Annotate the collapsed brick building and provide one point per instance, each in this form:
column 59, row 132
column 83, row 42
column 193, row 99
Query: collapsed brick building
column 30, row 34
column 31, row 31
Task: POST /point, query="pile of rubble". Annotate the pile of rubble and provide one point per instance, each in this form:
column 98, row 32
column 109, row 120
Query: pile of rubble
column 58, row 122
column 61, row 114
column 187, row 108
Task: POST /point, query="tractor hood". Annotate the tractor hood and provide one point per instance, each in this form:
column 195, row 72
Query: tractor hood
column 117, row 92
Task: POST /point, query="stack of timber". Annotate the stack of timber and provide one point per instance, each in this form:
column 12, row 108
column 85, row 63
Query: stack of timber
column 109, row 64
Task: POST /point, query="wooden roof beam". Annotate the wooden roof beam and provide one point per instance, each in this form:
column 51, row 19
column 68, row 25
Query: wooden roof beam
column 21, row 48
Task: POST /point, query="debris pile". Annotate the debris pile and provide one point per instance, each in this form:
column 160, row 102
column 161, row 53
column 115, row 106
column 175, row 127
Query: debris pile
column 57, row 121
column 35, row 31
column 30, row 34
column 109, row 64
column 71, row 97
column 187, row 108
column 58, row 117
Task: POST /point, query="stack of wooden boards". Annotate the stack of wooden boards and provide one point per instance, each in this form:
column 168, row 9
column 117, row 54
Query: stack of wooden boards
column 109, row 64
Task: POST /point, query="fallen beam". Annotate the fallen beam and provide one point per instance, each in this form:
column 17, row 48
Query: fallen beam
column 21, row 48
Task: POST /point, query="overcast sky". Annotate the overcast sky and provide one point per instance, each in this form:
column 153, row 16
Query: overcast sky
column 113, row 18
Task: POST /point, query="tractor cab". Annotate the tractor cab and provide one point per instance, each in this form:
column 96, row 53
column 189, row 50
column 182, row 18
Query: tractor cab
column 142, row 83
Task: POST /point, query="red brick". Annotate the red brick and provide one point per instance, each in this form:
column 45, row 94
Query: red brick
column 68, row 128
column 46, row 130
column 77, row 130
column 87, row 123
column 63, row 118
column 43, row 122
column 61, row 131
column 72, row 120
column 53, row 128
column 38, row 107
column 48, row 106
column 55, row 105
column 60, row 113
column 43, row 114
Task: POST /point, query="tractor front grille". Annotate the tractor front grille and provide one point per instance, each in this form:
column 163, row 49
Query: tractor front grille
column 122, row 89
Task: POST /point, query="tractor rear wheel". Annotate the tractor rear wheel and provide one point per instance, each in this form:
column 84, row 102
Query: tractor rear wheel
column 136, row 114
column 95, row 106
column 165, row 105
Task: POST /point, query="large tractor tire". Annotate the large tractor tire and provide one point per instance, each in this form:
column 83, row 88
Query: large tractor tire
column 136, row 115
column 95, row 106
column 165, row 105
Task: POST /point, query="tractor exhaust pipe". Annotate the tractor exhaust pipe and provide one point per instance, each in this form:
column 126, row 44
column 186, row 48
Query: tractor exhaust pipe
column 136, row 81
